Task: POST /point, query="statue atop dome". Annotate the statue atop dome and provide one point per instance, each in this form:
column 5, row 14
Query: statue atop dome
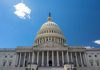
column 49, row 17
column 49, row 14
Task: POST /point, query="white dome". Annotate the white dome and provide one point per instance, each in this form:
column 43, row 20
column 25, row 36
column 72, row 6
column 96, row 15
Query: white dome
column 50, row 31
column 49, row 23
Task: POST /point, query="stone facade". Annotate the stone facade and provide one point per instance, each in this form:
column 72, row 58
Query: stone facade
column 49, row 52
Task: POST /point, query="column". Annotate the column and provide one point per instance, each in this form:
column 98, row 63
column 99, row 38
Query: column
column 57, row 58
column 19, row 60
column 54, row 39
column 76, row 59
column 45, row 39
column 81, row 59
column 33, row 57
column 71, row 56
column 37, row 57
column 29, row 58
column 62, row 58
column 47, row 58
column 67, row 57
column 24, row 59
column 52, row 58
column 39, row 41
column 42, row 58
column 51, row 38
column 85, row 60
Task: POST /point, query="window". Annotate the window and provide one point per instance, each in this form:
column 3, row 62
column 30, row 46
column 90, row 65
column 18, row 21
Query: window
column 4, row 63
column 47, row 39
column 52, row 31
column 40, row 41
column 95, row 55
column 91, row 62
column 5, row 56
column 10, row 63
column 68, row 69
column 97, row 62
column 89, row 55
column 47, row 31
column 11, row 56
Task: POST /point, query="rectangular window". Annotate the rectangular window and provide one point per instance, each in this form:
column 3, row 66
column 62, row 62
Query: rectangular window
column 10, row 63
column 97, row 63
column 4, row 63
column 91, row 63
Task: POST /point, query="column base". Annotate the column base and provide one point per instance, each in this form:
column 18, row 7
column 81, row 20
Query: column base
column 33, row 66
column 68, row 66
column 58, row 65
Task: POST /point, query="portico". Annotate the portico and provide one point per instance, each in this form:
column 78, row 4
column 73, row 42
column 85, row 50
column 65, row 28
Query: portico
column 51, row 58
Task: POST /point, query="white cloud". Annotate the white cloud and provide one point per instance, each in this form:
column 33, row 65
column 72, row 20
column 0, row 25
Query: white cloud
column 89, row 47
column 22, row 11
column 97, row 42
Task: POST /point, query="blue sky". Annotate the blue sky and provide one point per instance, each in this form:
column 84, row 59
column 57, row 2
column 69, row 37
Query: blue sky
column 78, row 19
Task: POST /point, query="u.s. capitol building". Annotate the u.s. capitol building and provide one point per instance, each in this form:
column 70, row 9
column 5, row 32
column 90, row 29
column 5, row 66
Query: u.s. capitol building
column 50, row 52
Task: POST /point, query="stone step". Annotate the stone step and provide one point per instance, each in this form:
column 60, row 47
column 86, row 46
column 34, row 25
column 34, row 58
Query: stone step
column 50, row 68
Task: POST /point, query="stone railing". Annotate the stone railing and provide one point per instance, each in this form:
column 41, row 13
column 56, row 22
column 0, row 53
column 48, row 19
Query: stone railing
column 7, row 49
column 12, row 68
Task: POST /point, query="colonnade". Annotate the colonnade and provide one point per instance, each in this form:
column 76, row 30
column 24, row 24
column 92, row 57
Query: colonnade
column 50, row 58
column 54, row 39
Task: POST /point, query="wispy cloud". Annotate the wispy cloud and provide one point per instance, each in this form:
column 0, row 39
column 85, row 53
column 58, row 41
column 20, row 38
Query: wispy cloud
column 22, row 11
column 88, row 47
column 97, row 42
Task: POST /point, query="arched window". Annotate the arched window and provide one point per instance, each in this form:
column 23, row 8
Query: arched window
column 47, row 39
